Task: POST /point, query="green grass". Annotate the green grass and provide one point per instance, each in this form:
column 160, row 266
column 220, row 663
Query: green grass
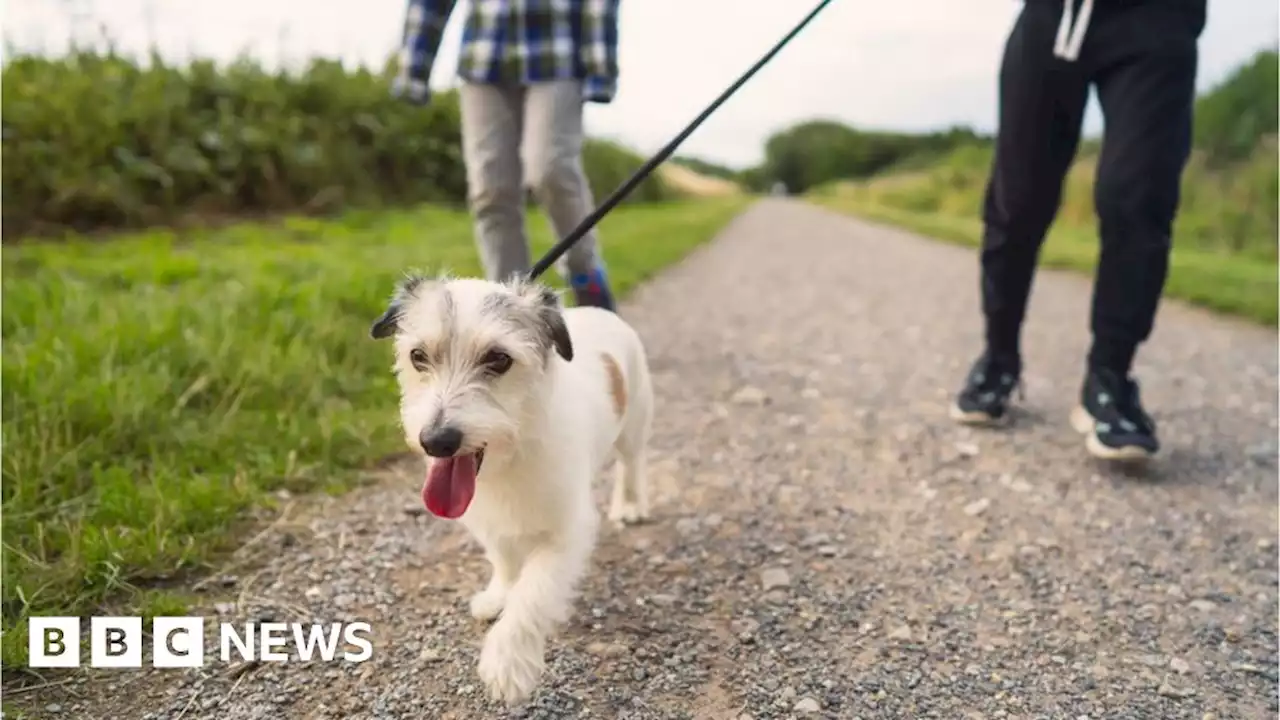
column 158, row 386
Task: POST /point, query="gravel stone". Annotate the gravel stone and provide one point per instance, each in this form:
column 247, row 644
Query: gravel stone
column 1075, row 595
column 773, row 578
column 808, row 706
column 1170, row 691
column 815, row 539
column 750, row 396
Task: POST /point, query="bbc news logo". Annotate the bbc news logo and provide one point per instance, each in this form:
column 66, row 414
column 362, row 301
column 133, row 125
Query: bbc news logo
column 178, row 642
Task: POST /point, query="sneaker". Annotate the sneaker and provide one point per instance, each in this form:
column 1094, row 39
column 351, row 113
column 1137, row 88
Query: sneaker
column 985, row 397
column 592, row 290
column 1111, row 417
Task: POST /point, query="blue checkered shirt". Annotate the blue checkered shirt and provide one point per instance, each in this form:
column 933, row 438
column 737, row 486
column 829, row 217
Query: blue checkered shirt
column 516, row 41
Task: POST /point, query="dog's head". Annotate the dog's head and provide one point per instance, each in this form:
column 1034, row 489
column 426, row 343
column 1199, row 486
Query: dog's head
column 470, row 356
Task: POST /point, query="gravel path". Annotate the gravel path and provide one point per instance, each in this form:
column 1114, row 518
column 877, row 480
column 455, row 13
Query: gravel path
column 826, row 542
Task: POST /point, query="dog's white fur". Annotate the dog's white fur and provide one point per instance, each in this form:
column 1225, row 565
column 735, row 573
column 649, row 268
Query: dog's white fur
column 547, row 427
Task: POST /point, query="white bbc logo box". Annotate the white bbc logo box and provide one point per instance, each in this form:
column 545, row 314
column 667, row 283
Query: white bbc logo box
column 177, row 642
column 115, row 642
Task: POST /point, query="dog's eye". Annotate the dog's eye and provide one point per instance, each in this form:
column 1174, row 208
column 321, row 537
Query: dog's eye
column 418, row 357
column 497, row 362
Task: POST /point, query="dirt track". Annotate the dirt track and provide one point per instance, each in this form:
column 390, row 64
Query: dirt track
column 826, row 543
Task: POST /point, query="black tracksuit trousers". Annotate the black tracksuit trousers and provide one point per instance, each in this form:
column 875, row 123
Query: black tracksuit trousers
column 1141, row 57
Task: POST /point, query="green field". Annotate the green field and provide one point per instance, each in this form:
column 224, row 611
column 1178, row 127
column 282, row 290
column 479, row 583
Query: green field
column 158, row 386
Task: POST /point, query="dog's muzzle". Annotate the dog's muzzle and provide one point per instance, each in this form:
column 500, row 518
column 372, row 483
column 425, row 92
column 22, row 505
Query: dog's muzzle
column 445, row 442
column 441, row 442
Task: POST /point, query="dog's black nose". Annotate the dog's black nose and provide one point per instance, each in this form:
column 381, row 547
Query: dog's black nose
column 441, row 442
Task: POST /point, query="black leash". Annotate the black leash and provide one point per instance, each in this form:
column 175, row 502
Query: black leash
column 645, row 170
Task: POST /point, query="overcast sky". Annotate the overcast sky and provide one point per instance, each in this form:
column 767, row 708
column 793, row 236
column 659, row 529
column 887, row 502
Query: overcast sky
column 914, row 65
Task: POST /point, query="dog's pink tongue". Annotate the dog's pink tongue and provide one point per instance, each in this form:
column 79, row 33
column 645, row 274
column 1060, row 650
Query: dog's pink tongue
column 451, row 483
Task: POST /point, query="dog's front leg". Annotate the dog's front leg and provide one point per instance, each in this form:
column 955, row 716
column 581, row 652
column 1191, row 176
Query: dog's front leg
column 538, row 603
column 505, row 560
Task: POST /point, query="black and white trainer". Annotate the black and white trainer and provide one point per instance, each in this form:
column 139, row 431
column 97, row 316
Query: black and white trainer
column 984, row 400
column 1111, row 417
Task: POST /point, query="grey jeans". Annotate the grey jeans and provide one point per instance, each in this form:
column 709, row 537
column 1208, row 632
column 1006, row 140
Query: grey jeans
column 525, row 136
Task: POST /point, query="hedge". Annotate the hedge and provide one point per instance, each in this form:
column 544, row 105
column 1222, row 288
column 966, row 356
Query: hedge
column 96, row 141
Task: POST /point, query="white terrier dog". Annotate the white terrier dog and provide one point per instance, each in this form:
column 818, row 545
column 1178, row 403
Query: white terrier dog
column 518, row 405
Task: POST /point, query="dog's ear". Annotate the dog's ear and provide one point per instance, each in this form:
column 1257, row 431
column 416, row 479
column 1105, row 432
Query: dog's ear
column 542, row 304
column 387, row 325
column 549, row 311
column 551, row 318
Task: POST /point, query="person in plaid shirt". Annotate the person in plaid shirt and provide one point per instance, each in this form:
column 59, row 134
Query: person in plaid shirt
column 527, row 68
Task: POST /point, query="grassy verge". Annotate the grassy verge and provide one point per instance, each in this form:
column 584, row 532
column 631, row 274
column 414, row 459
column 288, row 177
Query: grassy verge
column 156, row 387
column 1244, row 284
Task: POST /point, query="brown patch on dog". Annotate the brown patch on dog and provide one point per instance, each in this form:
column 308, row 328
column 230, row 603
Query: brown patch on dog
column 617, row 383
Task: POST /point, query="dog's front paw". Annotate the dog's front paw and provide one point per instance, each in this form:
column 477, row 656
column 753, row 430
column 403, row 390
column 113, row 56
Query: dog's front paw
column 488, row 603
column 628, row 513
column 511, row 664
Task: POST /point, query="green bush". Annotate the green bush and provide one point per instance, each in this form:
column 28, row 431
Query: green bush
column 94, row 141
column 1233, row 117
column 609, row 164
column 818, row 151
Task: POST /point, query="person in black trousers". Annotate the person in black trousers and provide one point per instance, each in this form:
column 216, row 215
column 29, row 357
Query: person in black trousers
column 1141, row 56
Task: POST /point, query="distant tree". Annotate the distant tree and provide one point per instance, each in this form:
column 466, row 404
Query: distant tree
column 1241, row 110
column 819, row 151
